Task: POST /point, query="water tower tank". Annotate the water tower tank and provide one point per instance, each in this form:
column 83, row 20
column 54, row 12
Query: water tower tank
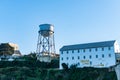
column 46, row 29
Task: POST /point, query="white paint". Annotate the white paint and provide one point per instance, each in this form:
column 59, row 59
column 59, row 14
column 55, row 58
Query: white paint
column 106, row 57
column 116, row 47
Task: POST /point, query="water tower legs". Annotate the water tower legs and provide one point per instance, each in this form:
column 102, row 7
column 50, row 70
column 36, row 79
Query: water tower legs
column 45, row 45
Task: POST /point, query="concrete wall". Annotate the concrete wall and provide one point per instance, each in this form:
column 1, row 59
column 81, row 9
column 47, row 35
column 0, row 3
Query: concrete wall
column 117, row 70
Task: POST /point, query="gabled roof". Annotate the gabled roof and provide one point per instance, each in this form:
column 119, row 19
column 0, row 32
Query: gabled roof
column 88, row 45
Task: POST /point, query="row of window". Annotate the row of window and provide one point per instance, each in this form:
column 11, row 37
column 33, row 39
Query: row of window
column 84, row 50
column 84, row 57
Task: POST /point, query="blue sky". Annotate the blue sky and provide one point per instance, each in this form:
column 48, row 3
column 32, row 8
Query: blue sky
column 75, row 21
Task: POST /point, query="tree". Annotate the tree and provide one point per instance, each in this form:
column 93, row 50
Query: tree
column 73, row 66
column 65, row 66
column 30, row 57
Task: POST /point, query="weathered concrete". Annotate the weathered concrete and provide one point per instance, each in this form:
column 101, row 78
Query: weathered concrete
column 117, row 70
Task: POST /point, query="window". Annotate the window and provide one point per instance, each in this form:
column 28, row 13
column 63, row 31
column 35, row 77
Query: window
column 95, row 49
column 72, row 58
column 78, row 50
column 90, row 56
column 102, row 49
column 109, row 55
column 78, row 63
column 96, row 56
column 67, row 52
column 84, row 57
column 72, row 51
column 61, row 58
column 102, row 55
column 83, row 50
column 117, row 61
column 67, row 58
column 78, row 57
column 61, row 52
column 109, row 48
column 89, row 50
column 90, row 63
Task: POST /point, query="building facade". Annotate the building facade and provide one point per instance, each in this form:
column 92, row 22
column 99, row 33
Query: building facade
column 97, row 54
column 15, row 46
column 9, row 51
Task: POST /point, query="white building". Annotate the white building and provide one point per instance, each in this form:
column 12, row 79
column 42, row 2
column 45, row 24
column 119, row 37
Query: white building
column 97, row 54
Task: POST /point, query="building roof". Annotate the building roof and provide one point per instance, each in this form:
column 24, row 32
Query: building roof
column 88, row 45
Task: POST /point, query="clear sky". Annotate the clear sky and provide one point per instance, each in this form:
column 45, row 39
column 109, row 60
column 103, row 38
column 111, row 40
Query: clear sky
column 75, row 21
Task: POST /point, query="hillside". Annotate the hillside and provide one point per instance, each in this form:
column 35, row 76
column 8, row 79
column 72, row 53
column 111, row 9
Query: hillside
column 26, row 73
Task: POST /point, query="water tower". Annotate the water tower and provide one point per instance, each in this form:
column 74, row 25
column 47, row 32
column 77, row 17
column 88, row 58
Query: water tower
column 46, row 44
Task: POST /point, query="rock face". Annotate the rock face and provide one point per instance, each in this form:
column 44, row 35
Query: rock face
column 117, row 70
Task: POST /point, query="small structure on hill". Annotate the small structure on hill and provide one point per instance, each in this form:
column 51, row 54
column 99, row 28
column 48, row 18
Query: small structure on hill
column 46, row 44
column 9, row 51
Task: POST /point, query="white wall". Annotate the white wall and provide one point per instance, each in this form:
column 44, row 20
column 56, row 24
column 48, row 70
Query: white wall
column 116, row 47
column 96, row 62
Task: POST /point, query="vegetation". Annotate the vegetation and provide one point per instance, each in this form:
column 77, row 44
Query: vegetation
column 65, row 66
column 32, row 69
column 26, row 73
column 31, row 62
